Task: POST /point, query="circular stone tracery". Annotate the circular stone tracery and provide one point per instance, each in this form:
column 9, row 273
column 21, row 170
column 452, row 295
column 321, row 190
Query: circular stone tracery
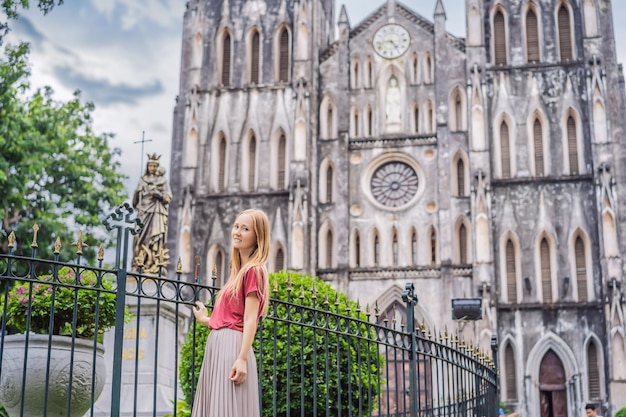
column 394, row 184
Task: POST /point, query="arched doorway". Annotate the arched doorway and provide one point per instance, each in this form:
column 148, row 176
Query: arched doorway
column 552, row 388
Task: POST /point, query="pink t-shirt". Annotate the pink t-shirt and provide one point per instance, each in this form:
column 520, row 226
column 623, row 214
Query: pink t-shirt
column 230, row 310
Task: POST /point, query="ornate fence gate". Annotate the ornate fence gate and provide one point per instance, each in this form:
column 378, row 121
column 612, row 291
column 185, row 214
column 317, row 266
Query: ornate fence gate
column 318, row 353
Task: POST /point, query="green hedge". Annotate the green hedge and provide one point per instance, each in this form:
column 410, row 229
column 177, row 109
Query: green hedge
column 621, row 412
column 363, row 364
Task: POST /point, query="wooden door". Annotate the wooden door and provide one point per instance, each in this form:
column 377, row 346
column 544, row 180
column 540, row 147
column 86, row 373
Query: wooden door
column 552, row 387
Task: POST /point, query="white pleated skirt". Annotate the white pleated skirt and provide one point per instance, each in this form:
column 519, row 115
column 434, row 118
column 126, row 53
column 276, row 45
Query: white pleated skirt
column 218, row 396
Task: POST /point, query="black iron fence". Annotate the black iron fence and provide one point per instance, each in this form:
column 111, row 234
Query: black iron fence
column 103, row 341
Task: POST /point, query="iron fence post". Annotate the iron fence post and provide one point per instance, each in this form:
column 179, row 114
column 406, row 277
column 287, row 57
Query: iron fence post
column 125, row 225
column 494, row 354
column 408, row 296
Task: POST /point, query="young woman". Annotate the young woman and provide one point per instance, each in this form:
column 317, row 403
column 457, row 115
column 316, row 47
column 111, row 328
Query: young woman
column 228, row 385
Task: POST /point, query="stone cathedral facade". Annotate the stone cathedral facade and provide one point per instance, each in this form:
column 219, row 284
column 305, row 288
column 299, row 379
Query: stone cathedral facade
column 391, row 151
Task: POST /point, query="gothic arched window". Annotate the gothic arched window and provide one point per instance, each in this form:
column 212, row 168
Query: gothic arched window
column 581, row 269
column 460, row 178
column 414, row 247
column 255, row 57
column 329, row 249
column 546, row 271
column 505, row 150
column 279, row 260
column 510, row 373
column 251, row 163
column 226, row 59
column 499, row 39
column 394, row 248
column 283, row 55
column 538, row 145
column 565, row 34
column 433, row 245
column 511, row 275
column 593, row 371
column 376, row 249
column 329, row 184
column 532, row 37
column 280, row 168
column 357, row 249
column 463, row 247
column 572, row 146
column 221, row 176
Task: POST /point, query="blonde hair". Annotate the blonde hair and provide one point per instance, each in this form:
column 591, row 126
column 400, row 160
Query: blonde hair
column 257, row 260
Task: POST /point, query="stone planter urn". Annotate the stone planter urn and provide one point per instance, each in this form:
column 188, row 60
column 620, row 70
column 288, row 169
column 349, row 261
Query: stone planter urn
column 58, row 379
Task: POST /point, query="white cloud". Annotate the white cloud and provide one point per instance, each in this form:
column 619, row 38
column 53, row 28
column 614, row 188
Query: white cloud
column 133, row 12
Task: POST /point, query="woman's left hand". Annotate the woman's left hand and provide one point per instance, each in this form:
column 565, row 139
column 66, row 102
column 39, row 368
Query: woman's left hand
column 239, row 371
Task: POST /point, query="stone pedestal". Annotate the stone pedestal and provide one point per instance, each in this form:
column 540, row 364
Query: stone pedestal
column 150, row 355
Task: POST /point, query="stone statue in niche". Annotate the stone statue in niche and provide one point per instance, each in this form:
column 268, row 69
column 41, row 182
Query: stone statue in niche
column 393, row 113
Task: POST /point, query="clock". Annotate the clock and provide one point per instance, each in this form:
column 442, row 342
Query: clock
column 391, row 41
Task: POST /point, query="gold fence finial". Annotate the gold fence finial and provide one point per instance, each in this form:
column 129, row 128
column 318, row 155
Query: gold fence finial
column 179, row 266
column 35, row 230
column 214, row 272
column 57, row 246
column 313, row 290
column 80, row 244
column 12, row 240
column 101, row 252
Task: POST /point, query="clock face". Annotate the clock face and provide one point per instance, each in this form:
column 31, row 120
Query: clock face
column 391, row 41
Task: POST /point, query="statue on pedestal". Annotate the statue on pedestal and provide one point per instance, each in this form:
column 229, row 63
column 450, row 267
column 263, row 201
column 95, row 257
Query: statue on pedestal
column 151, row 200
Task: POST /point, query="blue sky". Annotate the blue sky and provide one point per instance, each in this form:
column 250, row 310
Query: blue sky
column 124, row 55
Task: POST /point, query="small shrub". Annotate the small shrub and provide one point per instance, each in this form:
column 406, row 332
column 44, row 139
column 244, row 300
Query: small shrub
column 621, row 412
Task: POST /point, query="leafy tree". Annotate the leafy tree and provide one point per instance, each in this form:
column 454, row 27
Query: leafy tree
column 11, row 10
column 354, row 366
column 54, row 170
column 621, row 412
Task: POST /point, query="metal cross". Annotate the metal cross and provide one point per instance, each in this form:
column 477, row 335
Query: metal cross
column 142, row 141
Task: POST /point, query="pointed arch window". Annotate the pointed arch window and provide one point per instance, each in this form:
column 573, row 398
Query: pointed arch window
column 510, row 373
column 355, row 123
column 532, row 37
column 462, row 244
column 505, row 150
column 433, row 246
column 329, row 184
column 279, row 260
column 221, row 175
column 355, row 70
column 593, row 371
column 565, row 34
column 255, row 57
column 416, row 118
column 414, row 247
column 458, row 111
column 219, row 269
column 546, row 271
column 460, row 177
column 538, row 142
column 414, row 68
column 357, row 249
column 330, row 133
column 581, row 269
column 282, row 144
column 572, row 146
column 511, row 275
column 376, row 249
column 226, row 59
column 428, row 69
column 283, row 56
column 394, row 248
column 329, row 249
column 368, row 72
column 252, row 163
column 499, row 37
column 368, row 122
